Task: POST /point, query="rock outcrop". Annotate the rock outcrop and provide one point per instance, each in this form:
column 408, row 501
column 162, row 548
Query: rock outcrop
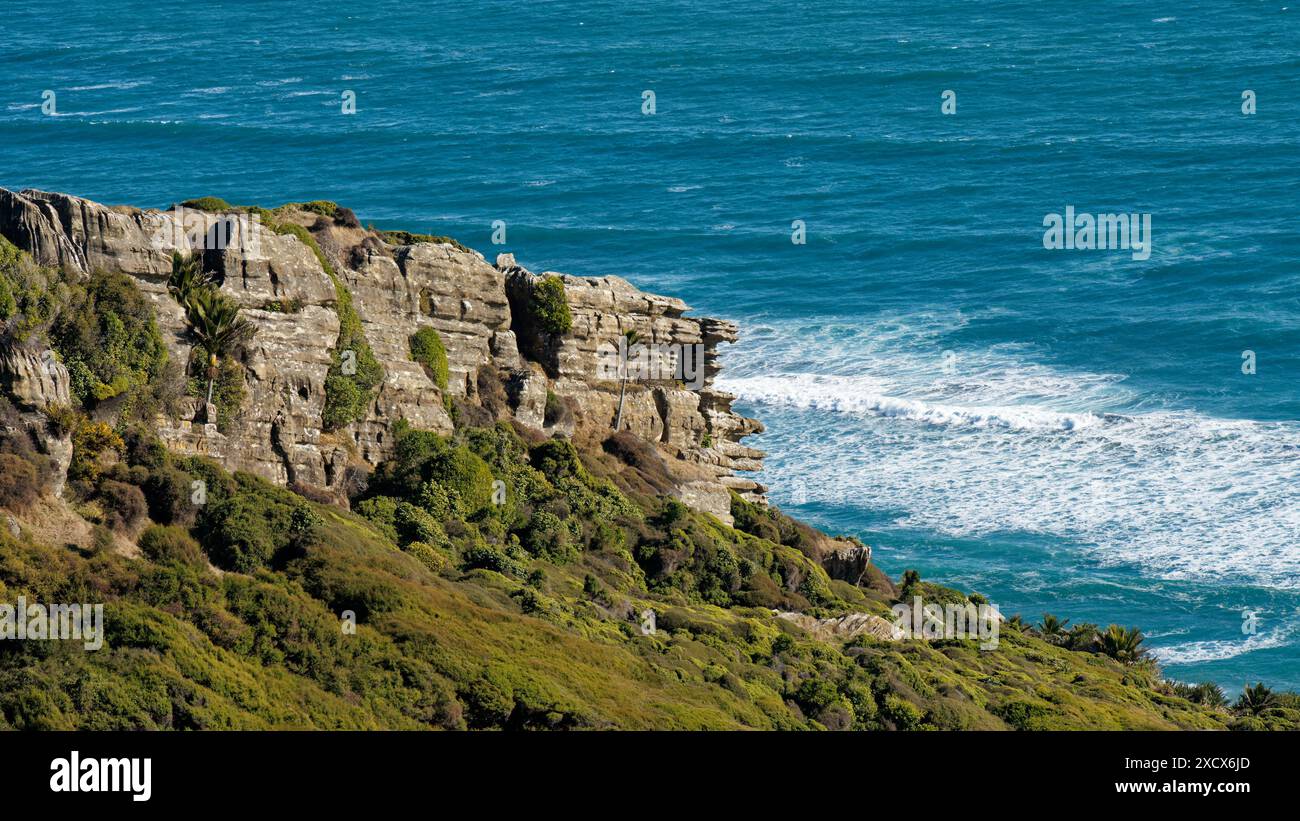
column 33, row 378
column 842, row 628
column 35, row 381
column 553, row 384
column 848, row 562
column 693, row 423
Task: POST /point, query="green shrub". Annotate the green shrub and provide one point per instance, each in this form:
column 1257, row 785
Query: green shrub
column 550, row 307
column 816, row 588
column 304, row 526
column 10, row 256
column 8, row 303
column 674, row 512
column 437, row 501
column 325, row 208
column 213, row 205
column 91, row 446
column 407, row 238
column 170, row 492
column 107, row 337
column 414, row 524
column 246, row 530
column 557, row 458
column 490, row 557
column 431, row 558
column 124, row 505
column 547, row 536
column 1020, row 714
column 592, row 498
column 142, row 447
column 420, row 457
column 30, row 295
column 815, row 695
column 217, row 484
column 427, row 349
column 467, row 478
column 554, row 408
column 381, row 511
column 345, row 402
column 167, row 544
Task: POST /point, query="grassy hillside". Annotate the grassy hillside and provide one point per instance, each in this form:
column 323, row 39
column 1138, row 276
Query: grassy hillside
column 474, row 631
column 490, row 580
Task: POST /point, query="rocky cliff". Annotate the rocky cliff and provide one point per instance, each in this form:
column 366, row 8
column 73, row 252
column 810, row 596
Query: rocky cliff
column 397, row 283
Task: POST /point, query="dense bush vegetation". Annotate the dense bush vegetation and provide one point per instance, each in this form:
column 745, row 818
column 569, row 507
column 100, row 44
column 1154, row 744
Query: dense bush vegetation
column 165, row 544
column 30, row 295
column 10, row 259
column 108, row 339
column 478, row 609
column 100, row 327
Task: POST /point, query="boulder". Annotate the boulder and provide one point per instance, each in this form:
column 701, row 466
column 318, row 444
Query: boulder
column 33, row 378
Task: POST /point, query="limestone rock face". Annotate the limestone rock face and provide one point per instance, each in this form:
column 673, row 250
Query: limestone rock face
column 479, row 310
column 848, row 562
column 842, row 628
column 33, row 378
column 456, row 292
column 692, row 422
column 34, row 381
column 527, row 391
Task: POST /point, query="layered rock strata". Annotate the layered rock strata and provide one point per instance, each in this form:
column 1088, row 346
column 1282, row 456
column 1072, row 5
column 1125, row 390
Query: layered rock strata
column 555, row 385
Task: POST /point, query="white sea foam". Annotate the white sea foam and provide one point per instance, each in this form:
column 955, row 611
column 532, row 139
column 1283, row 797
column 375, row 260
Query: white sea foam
column 1196, row 652
column 869, row 417
column 840, row 394
column 122, row 85
column 127, row 110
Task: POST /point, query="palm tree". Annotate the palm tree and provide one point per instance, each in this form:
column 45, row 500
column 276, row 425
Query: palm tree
column 1082, row 637
column 631, row 338
column 1255, row 700
column 1052, row 628
column 188, row 277
column 217, row 326
column 1123, row 643
column 1209, row 694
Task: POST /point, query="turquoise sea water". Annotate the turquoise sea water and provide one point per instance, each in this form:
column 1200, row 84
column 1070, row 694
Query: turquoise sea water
column 1066, row 431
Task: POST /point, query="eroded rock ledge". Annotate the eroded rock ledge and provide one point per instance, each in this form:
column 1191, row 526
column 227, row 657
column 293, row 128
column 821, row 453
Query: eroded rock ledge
column 551, row 384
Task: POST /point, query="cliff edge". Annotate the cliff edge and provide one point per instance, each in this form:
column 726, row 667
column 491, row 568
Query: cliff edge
column 290, row 270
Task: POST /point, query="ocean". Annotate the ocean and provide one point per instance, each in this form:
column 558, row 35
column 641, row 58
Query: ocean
column 1068, row 431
